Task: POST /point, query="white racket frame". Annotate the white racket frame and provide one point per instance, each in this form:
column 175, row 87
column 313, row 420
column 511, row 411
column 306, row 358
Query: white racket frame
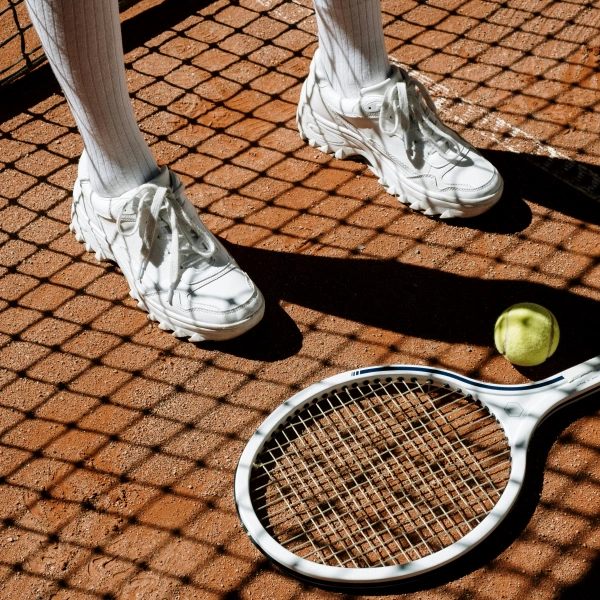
column 518, row 408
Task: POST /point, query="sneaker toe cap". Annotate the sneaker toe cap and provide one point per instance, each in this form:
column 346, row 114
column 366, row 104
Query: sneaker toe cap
column 229, row 299
column 474, row 175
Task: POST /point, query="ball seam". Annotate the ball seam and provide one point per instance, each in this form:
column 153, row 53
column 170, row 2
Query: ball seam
column 550, row 337
column 507, row 327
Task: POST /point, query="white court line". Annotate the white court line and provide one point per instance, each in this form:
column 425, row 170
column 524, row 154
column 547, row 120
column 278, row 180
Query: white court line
column 575, row 174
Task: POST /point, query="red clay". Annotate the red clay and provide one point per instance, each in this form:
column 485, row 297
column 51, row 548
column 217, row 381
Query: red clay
column 119, row 442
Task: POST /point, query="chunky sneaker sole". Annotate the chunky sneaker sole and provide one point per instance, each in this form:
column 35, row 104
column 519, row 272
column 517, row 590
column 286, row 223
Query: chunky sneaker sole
column 336, row 127
column 86, row 226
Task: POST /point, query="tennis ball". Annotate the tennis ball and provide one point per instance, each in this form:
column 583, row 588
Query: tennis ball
column 526, row 334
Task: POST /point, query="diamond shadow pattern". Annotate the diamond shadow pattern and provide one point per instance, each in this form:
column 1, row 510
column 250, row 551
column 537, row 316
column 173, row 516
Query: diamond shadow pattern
column 119, row 442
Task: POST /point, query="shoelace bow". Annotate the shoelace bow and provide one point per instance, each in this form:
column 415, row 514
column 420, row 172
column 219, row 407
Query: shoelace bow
column 403, row 104
column 152, row 200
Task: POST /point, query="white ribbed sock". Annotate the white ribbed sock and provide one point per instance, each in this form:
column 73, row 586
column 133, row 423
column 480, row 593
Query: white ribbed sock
column 351, row 42
column 82, row 40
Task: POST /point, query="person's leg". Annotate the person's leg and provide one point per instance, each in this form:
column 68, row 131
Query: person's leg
column 82, row 40
column 352, row 46
column 354, row 103
column 125, row 208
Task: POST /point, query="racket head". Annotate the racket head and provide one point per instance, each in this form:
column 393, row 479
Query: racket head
column 409, row 562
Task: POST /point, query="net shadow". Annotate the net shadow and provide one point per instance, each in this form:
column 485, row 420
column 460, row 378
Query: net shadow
column 20, row 48
column 119, row 442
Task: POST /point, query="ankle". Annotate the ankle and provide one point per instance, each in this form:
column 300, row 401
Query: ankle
column 113, row 180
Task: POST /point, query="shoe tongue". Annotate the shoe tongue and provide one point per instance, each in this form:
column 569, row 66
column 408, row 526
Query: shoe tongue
column 380, row 88
column 163, row 179
column 371, row 97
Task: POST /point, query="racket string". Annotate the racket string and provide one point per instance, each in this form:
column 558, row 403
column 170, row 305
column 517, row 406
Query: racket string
column 315, row 524
column 275, row 523
column 384, row 464
column 364, row 420
column 454, row 438
column 352, row 526
column 358, row 512
column 375, row 489
column 426, row 477
column 381, row 474
column 431, row 478
column 460, row 437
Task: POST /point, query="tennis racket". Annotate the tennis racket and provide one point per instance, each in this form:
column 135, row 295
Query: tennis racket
column 384, row 473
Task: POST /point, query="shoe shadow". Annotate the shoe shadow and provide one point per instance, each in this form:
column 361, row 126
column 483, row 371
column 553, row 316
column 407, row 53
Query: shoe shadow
column 407, row 299
column 276, row 337
column 566, row 186
column 427, row 303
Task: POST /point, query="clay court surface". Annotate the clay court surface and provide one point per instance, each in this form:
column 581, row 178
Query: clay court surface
column 119, row 442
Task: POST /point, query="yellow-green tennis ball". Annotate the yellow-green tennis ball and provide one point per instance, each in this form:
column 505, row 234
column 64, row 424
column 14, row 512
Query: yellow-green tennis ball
column 526, row 334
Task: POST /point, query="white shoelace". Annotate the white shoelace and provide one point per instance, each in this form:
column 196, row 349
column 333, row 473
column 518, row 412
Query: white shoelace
column 152, row 200
column 403, row 104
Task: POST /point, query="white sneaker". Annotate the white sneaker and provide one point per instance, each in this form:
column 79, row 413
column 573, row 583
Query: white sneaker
column 395, row 127
column 176, row 269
